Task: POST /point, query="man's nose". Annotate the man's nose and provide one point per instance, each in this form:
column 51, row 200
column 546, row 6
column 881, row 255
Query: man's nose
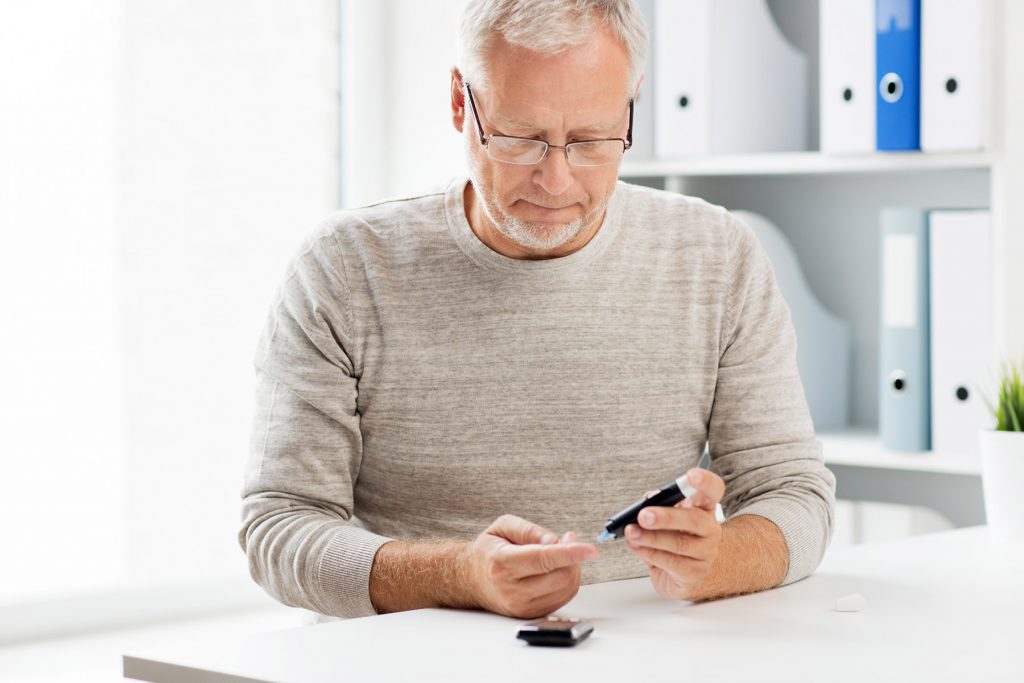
column 554, row 172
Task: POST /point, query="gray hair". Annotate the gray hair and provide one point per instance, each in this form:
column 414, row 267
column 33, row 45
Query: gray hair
column 548, row 27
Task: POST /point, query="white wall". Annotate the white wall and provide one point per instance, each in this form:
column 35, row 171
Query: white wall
column 231, row 141
column 161, row 162
column 61, row 408
column 398, row 135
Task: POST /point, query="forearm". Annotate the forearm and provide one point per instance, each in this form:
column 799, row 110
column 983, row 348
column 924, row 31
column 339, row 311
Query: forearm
column 415, row 575
column 753, row 556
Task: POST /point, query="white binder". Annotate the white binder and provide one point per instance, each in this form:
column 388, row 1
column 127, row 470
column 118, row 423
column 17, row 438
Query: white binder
column 961, row 337
column 956, row 74
column 847, row 75
column 726, row 80
column 682, row 77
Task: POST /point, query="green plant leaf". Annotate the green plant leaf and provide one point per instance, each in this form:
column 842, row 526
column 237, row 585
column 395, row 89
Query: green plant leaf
column 1009, row 406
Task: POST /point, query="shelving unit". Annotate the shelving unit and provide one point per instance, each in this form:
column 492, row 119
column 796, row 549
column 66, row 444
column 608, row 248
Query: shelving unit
column 860, row 447
column 828, row 204
column 803, row 163
column 949, row 483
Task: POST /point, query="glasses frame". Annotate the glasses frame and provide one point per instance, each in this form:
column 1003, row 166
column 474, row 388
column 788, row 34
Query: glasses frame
column 485, row 139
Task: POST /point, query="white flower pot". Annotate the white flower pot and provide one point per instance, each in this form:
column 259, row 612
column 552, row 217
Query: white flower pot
column 1002, row 478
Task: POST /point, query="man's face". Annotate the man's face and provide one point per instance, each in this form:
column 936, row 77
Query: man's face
column 552, row 207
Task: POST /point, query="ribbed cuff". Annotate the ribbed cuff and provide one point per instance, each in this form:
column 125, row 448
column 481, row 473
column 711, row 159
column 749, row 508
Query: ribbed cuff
column 800, row 529
column 343, row 573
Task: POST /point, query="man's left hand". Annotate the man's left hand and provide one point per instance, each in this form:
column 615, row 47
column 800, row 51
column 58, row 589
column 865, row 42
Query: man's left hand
column 680, row 544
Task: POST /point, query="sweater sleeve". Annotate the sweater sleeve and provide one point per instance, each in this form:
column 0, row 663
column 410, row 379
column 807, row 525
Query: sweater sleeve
column 298, row 533
column 760, row 434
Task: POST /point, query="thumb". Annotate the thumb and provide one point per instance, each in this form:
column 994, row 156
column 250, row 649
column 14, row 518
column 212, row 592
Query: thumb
column 520, row 531
column 710, row 489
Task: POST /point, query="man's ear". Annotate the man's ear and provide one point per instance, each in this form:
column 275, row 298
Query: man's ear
column 458, row 100
column 636, row 91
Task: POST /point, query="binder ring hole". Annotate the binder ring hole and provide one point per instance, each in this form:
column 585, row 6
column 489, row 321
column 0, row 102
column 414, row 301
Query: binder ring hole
column 898, row 382
column 951, row 85
column 684, row 101
column 847, row 95
column 962, row 394
column 891, row 88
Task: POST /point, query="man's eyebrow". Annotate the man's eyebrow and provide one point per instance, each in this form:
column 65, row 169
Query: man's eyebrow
column 519, row 124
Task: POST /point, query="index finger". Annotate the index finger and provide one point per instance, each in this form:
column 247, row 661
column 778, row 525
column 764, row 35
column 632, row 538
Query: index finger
column 710, row 489
column 533, row 560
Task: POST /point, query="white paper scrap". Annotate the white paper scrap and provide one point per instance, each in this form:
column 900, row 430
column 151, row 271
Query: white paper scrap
column 851, row 603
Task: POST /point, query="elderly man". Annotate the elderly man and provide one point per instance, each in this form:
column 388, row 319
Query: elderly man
column 456, row 388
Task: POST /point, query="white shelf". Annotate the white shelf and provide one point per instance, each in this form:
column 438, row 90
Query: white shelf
column 862, row 448
column 804, row 163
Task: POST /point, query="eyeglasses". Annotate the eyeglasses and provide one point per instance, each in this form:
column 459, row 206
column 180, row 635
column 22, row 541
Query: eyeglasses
column 527, row 151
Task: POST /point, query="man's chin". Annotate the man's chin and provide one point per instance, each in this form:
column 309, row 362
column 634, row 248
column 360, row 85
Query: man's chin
column 547, row 230
column 541, row 236
column 538, row 224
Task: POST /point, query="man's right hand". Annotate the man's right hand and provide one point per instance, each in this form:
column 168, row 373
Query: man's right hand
column 520, row 569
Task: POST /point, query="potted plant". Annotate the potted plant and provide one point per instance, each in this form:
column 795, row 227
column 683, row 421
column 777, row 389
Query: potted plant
column 1002, row 457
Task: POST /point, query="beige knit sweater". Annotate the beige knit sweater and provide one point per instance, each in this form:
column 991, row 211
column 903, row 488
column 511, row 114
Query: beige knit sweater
column 414, row 384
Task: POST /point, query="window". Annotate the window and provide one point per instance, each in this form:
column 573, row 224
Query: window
column 160, row 163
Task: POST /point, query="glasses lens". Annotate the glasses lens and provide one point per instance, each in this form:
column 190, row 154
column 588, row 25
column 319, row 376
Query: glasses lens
column 516, row 150
column 595, row 153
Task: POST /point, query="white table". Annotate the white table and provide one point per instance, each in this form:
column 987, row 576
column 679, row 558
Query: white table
column 943, row 607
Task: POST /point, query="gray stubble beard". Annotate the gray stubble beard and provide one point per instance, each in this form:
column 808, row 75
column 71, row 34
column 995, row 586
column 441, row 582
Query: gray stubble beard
column 521, row 232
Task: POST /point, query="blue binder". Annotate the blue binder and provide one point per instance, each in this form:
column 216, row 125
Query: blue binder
column 904, row 401
column 898, row 74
